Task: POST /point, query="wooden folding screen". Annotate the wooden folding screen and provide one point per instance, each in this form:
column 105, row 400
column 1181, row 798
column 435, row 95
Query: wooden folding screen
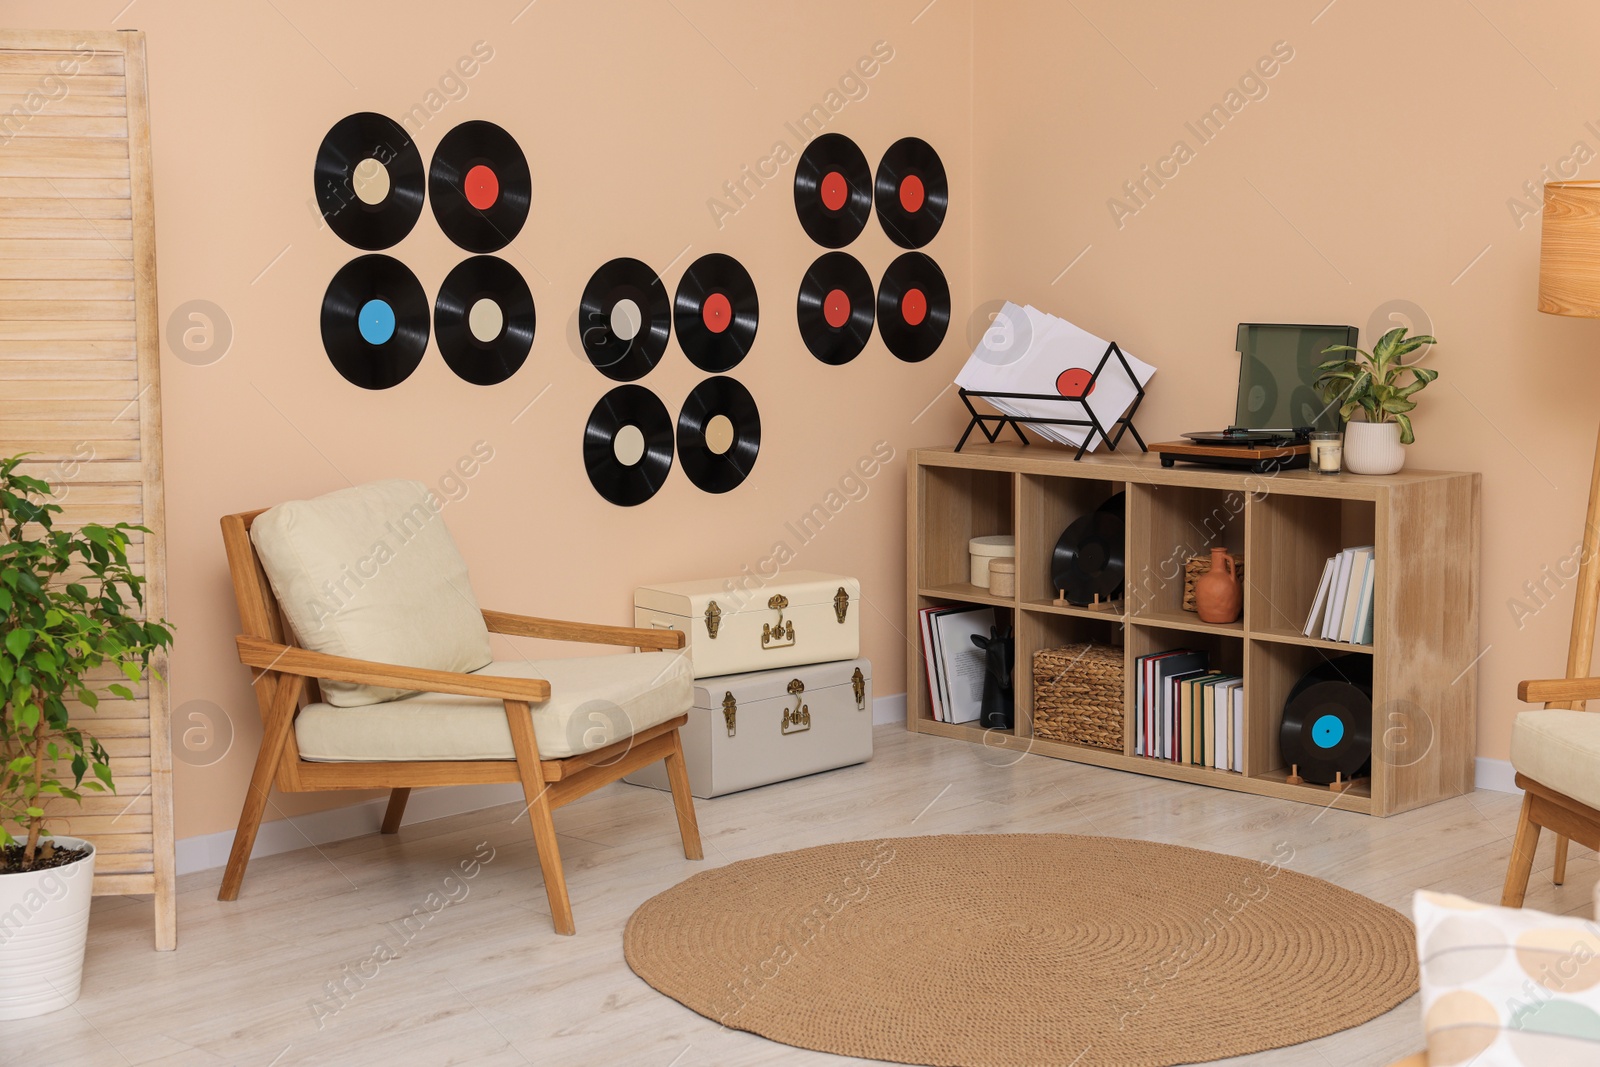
column 79, row 375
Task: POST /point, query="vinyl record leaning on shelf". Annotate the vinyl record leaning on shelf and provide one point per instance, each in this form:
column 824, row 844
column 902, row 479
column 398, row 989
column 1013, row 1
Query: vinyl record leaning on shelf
column 835, row 308
column 627, row 445
column 719, row 434
column 624, row 319
column 1088, row 559
column 912, row 192
column 1327, row 721
column 833, row 190
column 480, row 186
column 913, row 307
column 369, row 180
column 375, row 321
column 484, row 319
column 716, row 312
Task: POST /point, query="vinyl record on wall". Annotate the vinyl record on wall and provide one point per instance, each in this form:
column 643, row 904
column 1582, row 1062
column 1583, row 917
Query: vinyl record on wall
column 719, row 434
column 912, row 192
column 375, row 321
column 480, row 186
column 484, row 319
column 833, row 190
column 627, row 445
column 369, row 180
column 1089, row 557
column 1327, row 720
column 716, row 312
column 835, row 308
column 913, row 307
column 624, row 319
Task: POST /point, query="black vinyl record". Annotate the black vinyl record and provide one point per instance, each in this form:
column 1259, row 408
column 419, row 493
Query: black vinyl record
column 1327, row 721
column 369, row 180
column 835, row 308
column 912, row 192
column 913, row 307
column 833, row 190
column 627, row 445
column 484, row 319
column 716, row 312
column 624, row 319
column 375, row 321
column 480, row 186
column 1089, row 557
column 719, row 434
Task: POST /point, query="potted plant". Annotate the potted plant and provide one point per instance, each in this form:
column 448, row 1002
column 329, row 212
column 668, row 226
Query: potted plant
column 1370, row 382
column 70, row 606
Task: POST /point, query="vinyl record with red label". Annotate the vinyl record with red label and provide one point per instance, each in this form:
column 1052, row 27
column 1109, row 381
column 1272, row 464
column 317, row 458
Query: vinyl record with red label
column 484, row 320
column 624, row 319
column 719, row 434
column 375, row 322
column 627, row 445
column 833, row 190
column 369, row 180
column 480, row 186
column 913, row 307
column 912, row 192
column 716, row 312
column 835, row 308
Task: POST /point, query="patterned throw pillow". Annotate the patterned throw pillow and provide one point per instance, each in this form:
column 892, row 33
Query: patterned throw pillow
column 1507, row 987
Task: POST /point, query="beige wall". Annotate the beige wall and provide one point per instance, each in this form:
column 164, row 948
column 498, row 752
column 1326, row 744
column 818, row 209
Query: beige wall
column 632, row 119
column 1376, row 167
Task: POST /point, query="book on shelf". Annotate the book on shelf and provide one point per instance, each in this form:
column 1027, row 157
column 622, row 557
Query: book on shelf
column 1342, row 609
column 1185, row 711
column 956, row 667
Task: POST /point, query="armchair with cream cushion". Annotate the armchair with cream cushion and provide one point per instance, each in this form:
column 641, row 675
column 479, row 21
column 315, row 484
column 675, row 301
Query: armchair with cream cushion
column 373, row 669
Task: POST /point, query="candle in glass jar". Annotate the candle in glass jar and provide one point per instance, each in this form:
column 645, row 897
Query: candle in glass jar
column 1329, row 457
column 1325, row 440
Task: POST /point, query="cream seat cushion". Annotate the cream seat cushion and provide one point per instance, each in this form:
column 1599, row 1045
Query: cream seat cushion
column 1559, row 749
column 594, row 700
column 371, row 573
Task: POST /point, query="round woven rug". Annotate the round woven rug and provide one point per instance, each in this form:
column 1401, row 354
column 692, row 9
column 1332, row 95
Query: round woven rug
column 1001, row 950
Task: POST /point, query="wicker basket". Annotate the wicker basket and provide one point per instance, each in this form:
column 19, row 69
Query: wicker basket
column 1195, row 566
column 1077, row 695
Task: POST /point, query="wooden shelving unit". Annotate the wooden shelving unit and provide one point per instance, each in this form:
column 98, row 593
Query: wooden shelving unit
column 1424, row 524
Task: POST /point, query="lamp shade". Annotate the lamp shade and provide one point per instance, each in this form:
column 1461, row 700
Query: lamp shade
column 1569, row 250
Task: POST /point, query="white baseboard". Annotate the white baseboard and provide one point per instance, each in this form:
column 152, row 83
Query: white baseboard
column 890, row 709
column 1496, row 774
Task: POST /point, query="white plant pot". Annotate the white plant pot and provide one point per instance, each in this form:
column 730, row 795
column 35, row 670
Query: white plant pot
column 44, row 927
column 1373, row 448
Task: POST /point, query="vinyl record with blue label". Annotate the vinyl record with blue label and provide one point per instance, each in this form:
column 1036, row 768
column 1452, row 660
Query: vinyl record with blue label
column 480, row 186
column 1327, row 721
column 369, row 181
column 375, row 321
column 484, row 320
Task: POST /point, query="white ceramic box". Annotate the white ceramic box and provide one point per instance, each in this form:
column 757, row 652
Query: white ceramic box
column 736, row 625
column 769, row 726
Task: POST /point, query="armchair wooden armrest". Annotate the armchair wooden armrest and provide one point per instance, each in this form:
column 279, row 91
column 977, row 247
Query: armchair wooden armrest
column 269, row 655
column 501, row 622
column 1419, row 1059
column 1556, row 690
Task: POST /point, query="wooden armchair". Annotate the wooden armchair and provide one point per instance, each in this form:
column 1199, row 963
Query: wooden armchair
column 286, row 681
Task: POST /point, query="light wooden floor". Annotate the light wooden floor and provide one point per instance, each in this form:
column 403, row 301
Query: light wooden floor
column 485, row 981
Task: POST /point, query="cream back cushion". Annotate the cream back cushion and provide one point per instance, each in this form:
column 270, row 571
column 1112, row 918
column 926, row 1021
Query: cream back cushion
column 372, row 573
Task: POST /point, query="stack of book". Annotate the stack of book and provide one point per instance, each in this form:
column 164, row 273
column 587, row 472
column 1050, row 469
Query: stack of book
column 1187, row 713
column 956, row 667
column 1342, row 610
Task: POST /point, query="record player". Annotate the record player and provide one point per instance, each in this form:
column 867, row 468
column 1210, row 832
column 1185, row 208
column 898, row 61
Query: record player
column 1277, row 407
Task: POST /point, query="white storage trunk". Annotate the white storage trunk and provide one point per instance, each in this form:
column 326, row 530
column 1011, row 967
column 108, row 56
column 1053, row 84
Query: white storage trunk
column 769, row 726
column 803, row 617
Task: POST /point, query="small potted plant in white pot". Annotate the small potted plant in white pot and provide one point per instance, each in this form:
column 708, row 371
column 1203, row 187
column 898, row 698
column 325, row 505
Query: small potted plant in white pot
column 1371, row 383
column 70, row 605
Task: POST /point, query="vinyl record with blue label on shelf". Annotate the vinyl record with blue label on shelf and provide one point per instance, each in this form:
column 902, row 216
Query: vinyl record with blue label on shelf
column 1327, row 721
column 375, row 322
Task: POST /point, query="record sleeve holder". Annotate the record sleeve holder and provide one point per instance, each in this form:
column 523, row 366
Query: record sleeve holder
column 993, row 425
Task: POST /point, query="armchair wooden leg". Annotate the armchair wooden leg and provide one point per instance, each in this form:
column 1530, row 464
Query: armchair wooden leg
column 1560, row 875
column 683, row 800
column 1522, row 851
column 274, row 735
column 520, row 721
column 396, row 810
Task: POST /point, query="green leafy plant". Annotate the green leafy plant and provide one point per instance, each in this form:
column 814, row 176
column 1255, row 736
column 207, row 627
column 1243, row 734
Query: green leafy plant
column 70, row 605
column 1371, row 380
